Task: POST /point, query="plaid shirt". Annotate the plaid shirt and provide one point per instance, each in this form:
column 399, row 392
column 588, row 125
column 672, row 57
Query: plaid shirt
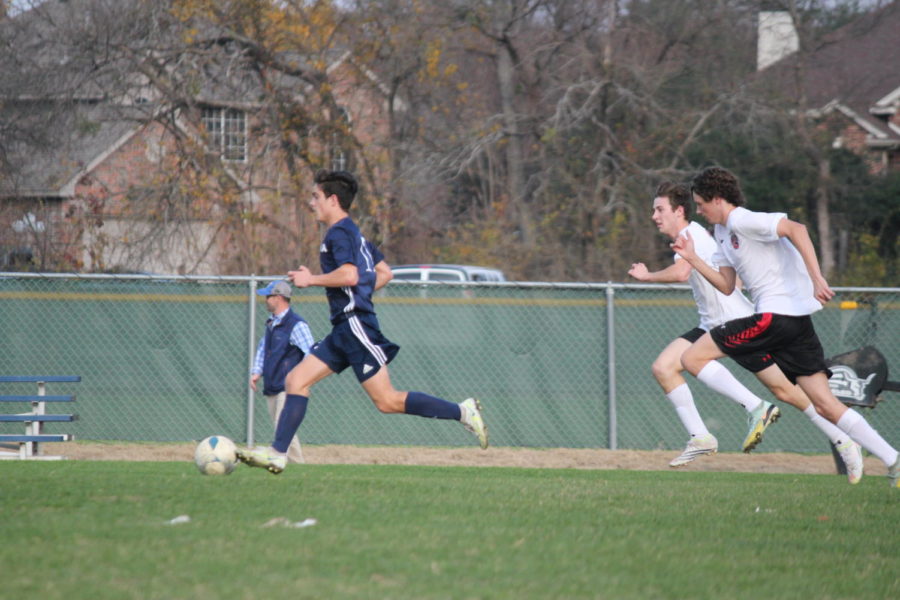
column 301, row 337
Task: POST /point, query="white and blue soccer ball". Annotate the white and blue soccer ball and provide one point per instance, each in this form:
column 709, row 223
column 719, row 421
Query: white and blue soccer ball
column 215, row 455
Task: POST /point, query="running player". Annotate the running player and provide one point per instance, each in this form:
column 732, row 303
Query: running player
column 352, row 270
column 671, row 211
column 776, row 261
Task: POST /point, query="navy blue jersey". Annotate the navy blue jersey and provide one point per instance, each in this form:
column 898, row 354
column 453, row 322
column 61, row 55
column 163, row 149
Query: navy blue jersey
column 345, row 244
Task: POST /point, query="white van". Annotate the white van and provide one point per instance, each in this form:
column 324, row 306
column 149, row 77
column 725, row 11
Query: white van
column 447, row 273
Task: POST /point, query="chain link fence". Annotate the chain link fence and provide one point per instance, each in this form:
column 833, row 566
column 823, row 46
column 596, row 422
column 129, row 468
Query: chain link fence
column 556, row 365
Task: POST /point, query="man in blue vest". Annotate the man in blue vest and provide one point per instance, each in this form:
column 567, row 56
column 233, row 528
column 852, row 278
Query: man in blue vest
column 286, row 342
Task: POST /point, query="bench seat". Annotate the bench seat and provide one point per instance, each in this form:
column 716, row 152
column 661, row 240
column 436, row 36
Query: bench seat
column 37, row 398
column 31, row 418
column 40, row 378
column 29, row 443
column 43, row 437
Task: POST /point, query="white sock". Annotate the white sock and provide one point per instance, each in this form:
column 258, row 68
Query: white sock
column 865, row 435
column 720, row 379
column 683, row 401
column 828, row 428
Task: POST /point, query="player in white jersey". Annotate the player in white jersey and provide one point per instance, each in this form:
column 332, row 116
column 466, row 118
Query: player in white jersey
column 775, row 258
column 671, row 210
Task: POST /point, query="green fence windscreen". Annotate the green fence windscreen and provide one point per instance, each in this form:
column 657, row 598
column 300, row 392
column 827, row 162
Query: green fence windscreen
column 166, row 359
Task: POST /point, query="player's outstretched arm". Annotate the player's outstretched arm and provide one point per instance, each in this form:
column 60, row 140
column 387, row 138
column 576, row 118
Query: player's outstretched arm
column 723, row 280
column 799, row 237
column 678, row 272
column 347, row 275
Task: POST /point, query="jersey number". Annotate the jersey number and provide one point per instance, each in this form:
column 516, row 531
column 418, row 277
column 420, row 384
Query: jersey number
column 364, row 249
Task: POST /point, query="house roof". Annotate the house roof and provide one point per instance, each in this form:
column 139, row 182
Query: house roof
column 852, row 70
column 83, row 135
column 92, row 111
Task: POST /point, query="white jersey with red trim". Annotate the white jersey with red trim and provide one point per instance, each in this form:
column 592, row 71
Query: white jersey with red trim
column 769, row 266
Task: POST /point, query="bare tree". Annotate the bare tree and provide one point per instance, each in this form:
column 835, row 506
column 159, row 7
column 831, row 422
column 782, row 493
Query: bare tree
column 526, row 134
column 183, row 72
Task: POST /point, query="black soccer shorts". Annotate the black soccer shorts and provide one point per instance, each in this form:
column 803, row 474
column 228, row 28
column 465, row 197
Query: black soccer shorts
column 763, row 339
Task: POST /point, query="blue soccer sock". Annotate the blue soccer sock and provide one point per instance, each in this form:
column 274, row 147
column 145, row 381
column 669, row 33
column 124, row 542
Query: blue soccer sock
column 291, row 416
column 424, row 405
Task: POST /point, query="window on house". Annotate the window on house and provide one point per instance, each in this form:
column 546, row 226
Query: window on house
column 227, row 128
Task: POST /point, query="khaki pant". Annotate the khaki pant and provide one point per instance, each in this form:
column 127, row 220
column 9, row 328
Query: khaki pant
column 276, row 405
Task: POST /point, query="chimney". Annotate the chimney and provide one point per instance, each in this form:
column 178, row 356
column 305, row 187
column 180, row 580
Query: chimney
column 777, row 38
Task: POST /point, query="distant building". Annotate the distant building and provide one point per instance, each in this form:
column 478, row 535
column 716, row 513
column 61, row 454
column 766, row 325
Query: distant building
column 110, row 179
column 849, row 83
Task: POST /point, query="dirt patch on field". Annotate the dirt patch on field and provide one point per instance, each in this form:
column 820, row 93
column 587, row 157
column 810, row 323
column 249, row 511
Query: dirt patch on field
column 558, row 458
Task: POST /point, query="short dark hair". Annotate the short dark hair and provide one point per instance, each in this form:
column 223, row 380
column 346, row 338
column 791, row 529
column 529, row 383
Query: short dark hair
column 678, row 194
column 338, row 183
column 716, row 182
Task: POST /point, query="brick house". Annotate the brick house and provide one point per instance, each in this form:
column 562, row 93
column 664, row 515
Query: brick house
column 849, row 84
column 129, row 183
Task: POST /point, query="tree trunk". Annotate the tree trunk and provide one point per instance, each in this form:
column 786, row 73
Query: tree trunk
column 823, row 217
column 515, row 171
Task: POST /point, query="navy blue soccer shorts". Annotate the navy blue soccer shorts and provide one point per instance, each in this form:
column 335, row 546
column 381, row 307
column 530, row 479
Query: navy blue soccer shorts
column 356, row 342
column 758, row 341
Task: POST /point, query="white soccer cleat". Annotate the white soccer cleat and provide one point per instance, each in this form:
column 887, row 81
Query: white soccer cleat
column 851, row 454
column 262, row 458
column 696, row 447
column 472, row 420
column 759, row 420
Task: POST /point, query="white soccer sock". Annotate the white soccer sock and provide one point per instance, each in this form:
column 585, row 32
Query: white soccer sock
column 835, row 434
column 865, row 435
column 720, row 379
column 683, row 401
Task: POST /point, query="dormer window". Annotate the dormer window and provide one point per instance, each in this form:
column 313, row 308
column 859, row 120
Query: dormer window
column 227, row 130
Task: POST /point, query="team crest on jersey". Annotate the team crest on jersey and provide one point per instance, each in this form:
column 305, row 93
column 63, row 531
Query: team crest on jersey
column 735, row 242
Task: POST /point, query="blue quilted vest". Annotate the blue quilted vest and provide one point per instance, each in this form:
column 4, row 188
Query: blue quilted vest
column 280, row 356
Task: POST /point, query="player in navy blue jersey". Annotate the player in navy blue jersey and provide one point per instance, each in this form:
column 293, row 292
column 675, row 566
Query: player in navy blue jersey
column 352, row 270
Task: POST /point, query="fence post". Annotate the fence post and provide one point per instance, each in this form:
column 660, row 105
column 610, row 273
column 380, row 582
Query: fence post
column 251, row 354
column 611, row 352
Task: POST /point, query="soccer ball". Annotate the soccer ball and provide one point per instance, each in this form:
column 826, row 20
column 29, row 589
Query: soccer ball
column 215, row 455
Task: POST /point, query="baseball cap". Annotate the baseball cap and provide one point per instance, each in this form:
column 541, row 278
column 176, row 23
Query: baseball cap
column 276, row 288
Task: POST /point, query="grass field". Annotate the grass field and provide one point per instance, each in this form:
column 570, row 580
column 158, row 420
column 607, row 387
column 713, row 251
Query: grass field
column 95, row 530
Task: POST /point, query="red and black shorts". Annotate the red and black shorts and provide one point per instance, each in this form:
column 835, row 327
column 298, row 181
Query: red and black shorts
column 763, row 339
